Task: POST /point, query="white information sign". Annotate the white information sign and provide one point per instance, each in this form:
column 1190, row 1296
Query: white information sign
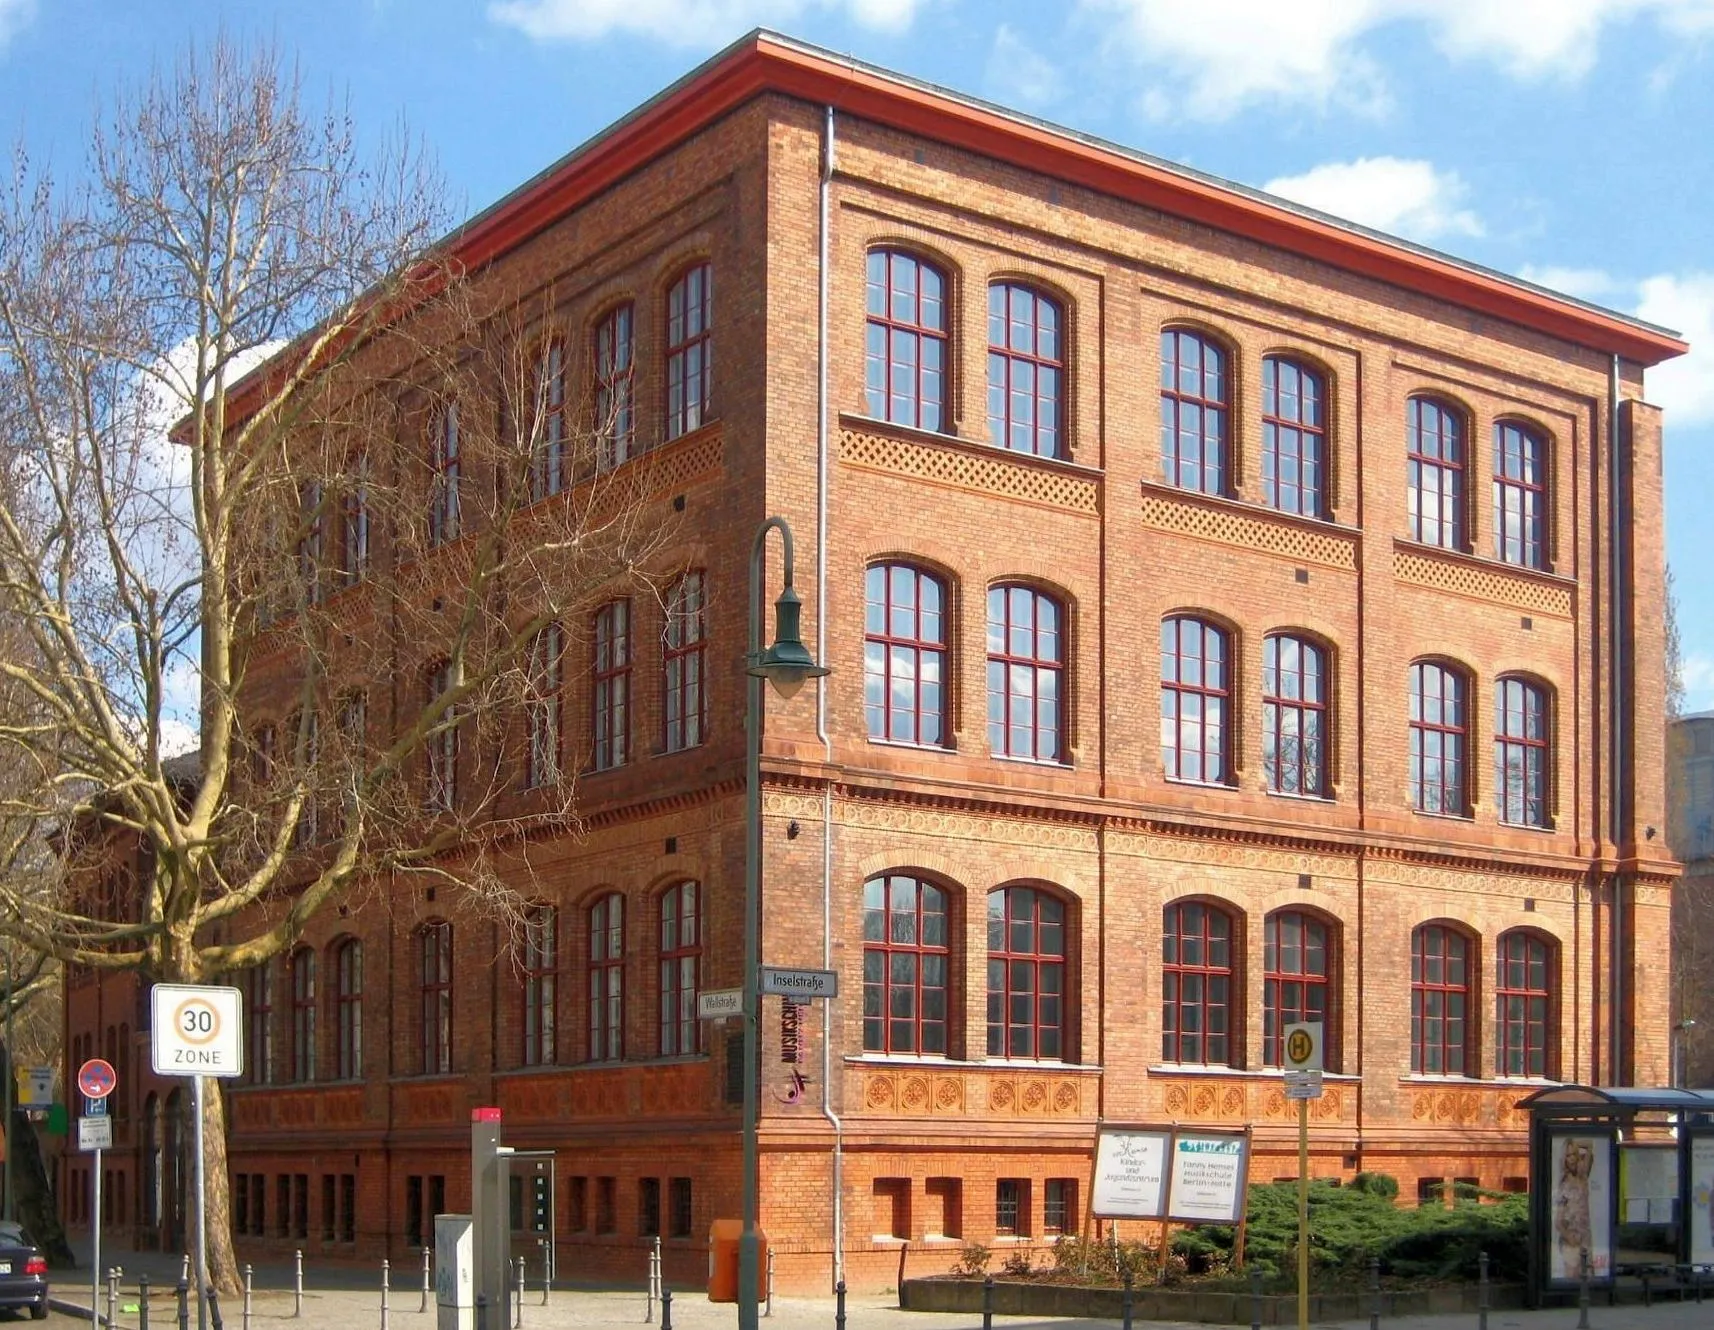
column 1303, row 1085
column 1207, row 1185
column 1648, row 1183
column 94, row 1134
column 454, row 1272
column 197, row 1030
column 719, row 1002
column 1130, row 1173
column 799, row 984
column 1702, row 1199
column 1301, row 1042
column 36, row 1087
column 1581, row 1200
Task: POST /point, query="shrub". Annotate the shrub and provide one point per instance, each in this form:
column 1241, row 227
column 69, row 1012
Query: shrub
column 972, row 1260
column 1018, row 1263
column 1383, row 1185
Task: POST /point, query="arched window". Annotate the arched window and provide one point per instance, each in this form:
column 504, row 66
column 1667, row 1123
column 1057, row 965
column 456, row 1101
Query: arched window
column 690, row 350
column 904, row 654
column 1520, row 495
column 261, row 1051
column 1294, row 437
column 615, row 410
column 610, row 690
column 1195, row 411
column 303, row 1014
column 434, row 978
column 1196, row 984
column 1523, row 1006
column 1520, row 752
column 684, row 650
column 1294, row 715
column 1026, row 673
column 1294, row 977
column 905, row 341
column 354, row 521
column 607, row 979
column 541, row 987
column 1438, row 735
column 1026, row 974
column 906, row 962
column 446, row 464
column 681, row 967
column 1439, row 1000
column 153, row 1163
column 441, row 747
column 547, row 454
column 1196, row 688
column 542, row 708
column 1026, row 371
column 348, row 995
column 1434, row 450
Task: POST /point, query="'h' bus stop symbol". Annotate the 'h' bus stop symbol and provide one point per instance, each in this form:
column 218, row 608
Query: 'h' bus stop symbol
column 1300, row 1047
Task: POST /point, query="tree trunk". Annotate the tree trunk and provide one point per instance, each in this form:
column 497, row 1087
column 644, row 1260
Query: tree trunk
column 217, row 1191
column 35, row 1198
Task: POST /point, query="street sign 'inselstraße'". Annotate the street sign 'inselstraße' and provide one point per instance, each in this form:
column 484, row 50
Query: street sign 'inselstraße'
column 799, row 984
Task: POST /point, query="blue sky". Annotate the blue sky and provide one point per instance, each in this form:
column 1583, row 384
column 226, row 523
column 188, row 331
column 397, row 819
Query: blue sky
column 1566, row 140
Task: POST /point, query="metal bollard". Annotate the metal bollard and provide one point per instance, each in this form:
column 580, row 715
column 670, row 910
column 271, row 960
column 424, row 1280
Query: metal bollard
column 649, row 1291
column 770, row 1310
column 481, row 1311
column 546, row 1244
column 1126, row 1304
column 987, row 1302
column 424, row 1306
column 184, row 1268
column 112, row 1290
column 298, row 1282
column 143, row 1302
column 666, row 1309
column 518, row 1302
column 1255, row 1297
column 1481, row 1291
column 214, row 1308
column 386, row 1278
column 839, row 1305
column 1583, row 1288
column 1374, row 1293
column 183, row 1290
column 249, row 1284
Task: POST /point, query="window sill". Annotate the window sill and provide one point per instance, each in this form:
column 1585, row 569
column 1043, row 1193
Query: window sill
column 1198, row 784
column 1302, row 798
column 1051, row 763
column 1263, row 510
column 957, row 1064
column 1545, row 575
column 913, row 747
column 980, row 447
column 1467, row 818
column 1526, row 826
column 1431, row 1078
column 1244, row 1073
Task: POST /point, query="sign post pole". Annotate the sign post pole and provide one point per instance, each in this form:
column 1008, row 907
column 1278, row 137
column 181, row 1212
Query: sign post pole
column 1303, row 1214
column 96, row 1080
column 95, row 1244
column 1303, row 1062
column 201, row 1211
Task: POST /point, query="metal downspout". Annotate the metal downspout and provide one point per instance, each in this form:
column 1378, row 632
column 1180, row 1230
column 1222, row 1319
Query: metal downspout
column 1616, row 605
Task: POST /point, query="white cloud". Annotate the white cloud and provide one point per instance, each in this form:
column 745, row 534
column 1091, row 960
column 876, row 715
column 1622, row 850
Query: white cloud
column 1394, row 194
column 1018, row 74
column 682, row 22
column 14, row 14
column 1222, row 55
column 1584, row 283
column 1683, row 388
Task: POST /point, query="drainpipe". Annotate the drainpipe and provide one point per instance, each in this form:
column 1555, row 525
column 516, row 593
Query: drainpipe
column 1617, row 599
column 821, row 483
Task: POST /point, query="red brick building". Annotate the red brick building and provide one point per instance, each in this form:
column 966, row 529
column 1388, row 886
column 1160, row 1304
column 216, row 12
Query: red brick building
column 1233, row 617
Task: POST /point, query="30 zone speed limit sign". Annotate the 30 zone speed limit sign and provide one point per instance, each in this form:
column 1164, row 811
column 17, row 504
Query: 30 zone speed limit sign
column 198, row 1030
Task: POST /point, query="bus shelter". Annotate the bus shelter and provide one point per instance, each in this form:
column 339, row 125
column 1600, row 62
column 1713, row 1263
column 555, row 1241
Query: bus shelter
column 1621, row 1178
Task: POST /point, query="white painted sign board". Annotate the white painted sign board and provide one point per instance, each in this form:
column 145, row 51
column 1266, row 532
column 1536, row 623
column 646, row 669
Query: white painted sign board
column 799, row 984
column 94, row 1134
column 1208, row 1171
column 719, row 1002
column 197, row 1030
column 1130, row 1173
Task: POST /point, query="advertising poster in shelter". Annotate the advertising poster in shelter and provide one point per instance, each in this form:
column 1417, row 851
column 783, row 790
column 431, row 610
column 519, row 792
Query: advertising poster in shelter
column 1130, row 1173
column 1581, row 1196
column 1208, row 1171
column 1702, row 1200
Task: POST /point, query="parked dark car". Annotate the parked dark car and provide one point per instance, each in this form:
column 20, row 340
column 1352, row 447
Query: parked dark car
column 23, row 1272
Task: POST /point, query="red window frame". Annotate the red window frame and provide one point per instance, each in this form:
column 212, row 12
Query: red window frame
column 540, row 1027
column 1434, row 451
column 311, row 544
column 262, row 1022
column 690, row 349
column 1026, row 673
column 1522, row 751
column 1026, row 370
column 1028, row 974
column 1294, row 437
column 1439, row 739
column 1520, row 495
column 1059, row 1212
column 905, row 340
column 1440, row 988
column 904, row 654
column 1195, row 411
column 1294, row 715
column 303, row 1015
column 441, row 748
column 1297, row 960
column 615, row 386
column 680, row 969
column 607, row 979
column 445, row 463
column 610, row 685
column 434, row 992
column 907, row 964
column 684, row 661
column 1198, row 984
column 354, row 522
column 348, row 1002
column 1196, row 700
column 542, row 711
column 547, row 409
column 1523, row 1005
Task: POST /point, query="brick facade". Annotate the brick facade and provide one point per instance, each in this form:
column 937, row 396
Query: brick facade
column 916, row 1147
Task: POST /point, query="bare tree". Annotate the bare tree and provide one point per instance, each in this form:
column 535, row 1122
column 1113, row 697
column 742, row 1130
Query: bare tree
column 346, row 585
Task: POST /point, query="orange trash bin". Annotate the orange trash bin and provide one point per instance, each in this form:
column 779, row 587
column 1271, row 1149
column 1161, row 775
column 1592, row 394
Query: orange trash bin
column 723, row 1236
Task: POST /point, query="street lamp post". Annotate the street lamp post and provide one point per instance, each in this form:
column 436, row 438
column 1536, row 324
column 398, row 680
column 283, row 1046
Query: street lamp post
column 787, row 664
column 1680, row 1032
